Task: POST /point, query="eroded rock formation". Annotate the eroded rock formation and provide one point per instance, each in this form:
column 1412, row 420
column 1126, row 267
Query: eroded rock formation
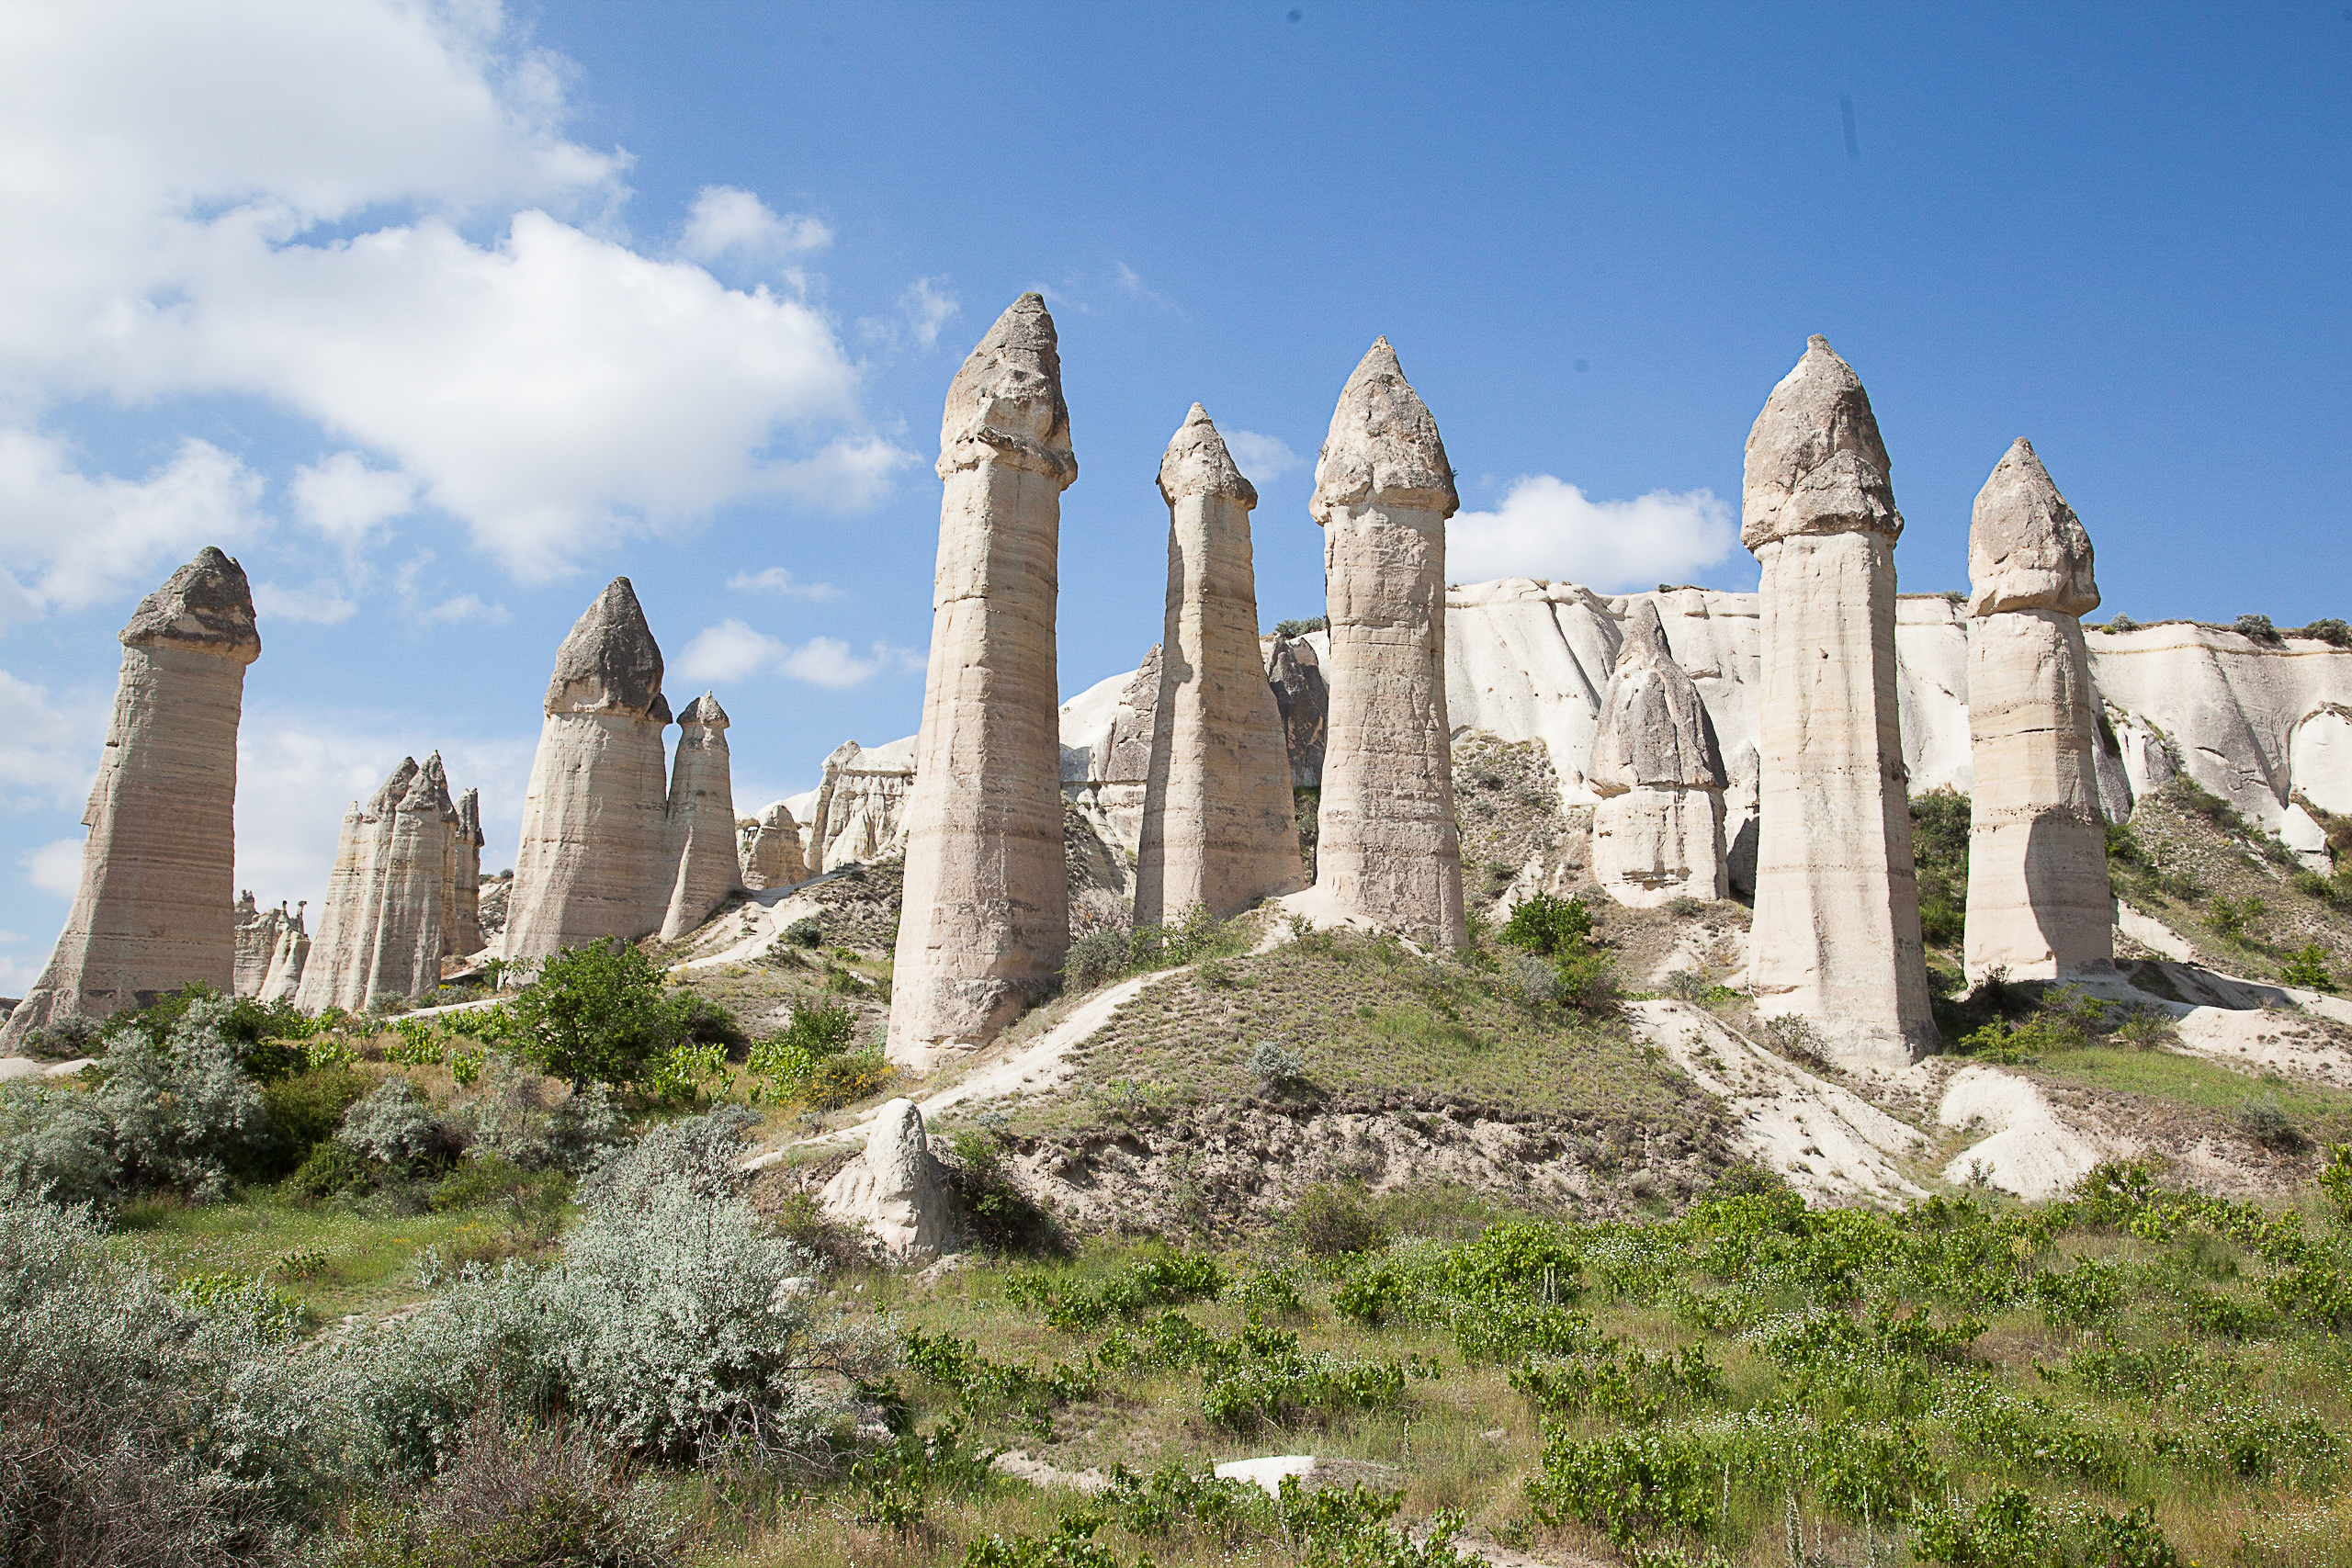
column 2037, row 849
column 1658, row 831
column 593, row 861
column 1294, row 672
column 387, row 926
column 702, row 820
column 893, row 1191
column 986, row 916
column 767, row 849
column 257, row 932
column 1386, row 846
column 1217, row 828
column 461, row 907
column 284, row 978
column 1836, row 922
column 155, row 906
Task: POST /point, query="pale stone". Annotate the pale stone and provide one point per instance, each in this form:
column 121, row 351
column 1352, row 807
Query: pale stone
column 860, row 812
column 1836, row 919
column 381, row 930
column 1294, row 672
column 593, row 861
column 1218, row 828
column 1659, row 833
column 986, row 908
column 257, row 934
column 2038, row 903
column 1387, row 849
column 768, row 849
column 284, row 978
column 465, row 892
column 893, row 1190
column 155, row 906
column 702, row 820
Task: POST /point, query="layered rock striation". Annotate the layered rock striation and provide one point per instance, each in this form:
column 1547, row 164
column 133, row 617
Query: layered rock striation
column 1218, row 831
column 1295, row 671
column 767, row 849
column 1659, row 833
column 403, row 861
column 594, row 859
column 1837, row 921
column 284, row 978
column 986, row 917
column 155, row 906
column 1387, row 849
column 257, row 932
column 702, row 820
column 2038, row 903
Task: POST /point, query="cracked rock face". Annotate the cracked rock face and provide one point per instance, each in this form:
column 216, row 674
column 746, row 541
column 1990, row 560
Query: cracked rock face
column 2036, row 848
column 1658, row 833
column 1218, row 831
column 767, row 849
column 893, row 1191
column 986, row 918
column 702, row 820
column 593, row 861
column 1387, row 849
column 1837, row 921
column 1295, row 674
column 387, row 924
column 156, row 907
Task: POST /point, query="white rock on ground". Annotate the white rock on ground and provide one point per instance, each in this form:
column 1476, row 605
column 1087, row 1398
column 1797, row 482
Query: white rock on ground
column 2265, row 1041
column 1659, row 833
column 701, row 819
column 2031, row 1152
column 1386, row 843
column 156, row 907
column 893, row 1191
column 986, row 908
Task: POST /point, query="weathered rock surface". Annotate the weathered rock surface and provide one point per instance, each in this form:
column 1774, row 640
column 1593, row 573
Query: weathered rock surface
column 986, row 916
column 155, row 906
column 702, row 820
column 2038, row 901
column 462, row 901
column 593, row 861
column 257, row 932
column 284, row 977
column 893, row 1191
column 1295, row 671
column 384, row 928
column 1658, row 831
column 1217, row 832
column 859, row 811
column 1387, row 849
column 1837, row 921
column 768, row 849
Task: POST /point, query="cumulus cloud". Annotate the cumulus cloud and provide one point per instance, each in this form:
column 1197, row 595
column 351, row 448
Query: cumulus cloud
column 1547, row 528
column 55, row 867
column 1265, row 458
column 777, row 580
column 345, row 497
column 725, row 221
column 464, row 607
column 732, row 650
column 52, row 749
column 321, row 604
column 927, row 305
column 68, row 541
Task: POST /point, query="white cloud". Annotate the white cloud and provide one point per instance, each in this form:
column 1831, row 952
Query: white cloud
column 1131, row 282
column 55, row 867
column 926, row 305
column 777, row 580
column 1545, row 528
column 321, row 604
column 727, row 222
column 733, row 651
column 51, row 752
column 1263, row 457
column 68, row 541
column 344, row 498
column 464, row 607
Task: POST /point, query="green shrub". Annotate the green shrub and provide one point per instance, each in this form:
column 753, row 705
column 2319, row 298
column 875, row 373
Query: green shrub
column 1095, row 959
column 2261, row 1119
column 1276, row 1065
column 596, row 1014
column 2307, row 968
column 1633, row 1487
column 2010, row 1529
column 2331, row 630
column 806, row 931
column 1332, row 1222
column 837, row 1081
column 1301, row 627
column 396, row 1127
column 304, row 1110
column 2258, row 627
column 1549, row 926
column 329, row 1169
column 2335, row 1181
column 1940, row 835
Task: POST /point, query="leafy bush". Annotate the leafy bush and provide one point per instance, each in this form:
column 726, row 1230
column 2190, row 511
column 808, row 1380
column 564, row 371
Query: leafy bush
column 1633, row 1487
column 1330, row 1221
column 2335, row 1181
column 2010, row 1529
column 1940, row 821
column 1301, row 627
column 1276, row 1066
column 596, row 1014
column 2307, row 968
column 806, row 931
column 998, row 1212
column 2331, row 630
column 786, row 1067
column 2256, row 627
column 2261, row 1119
column 71, row 1035
column 1548, row 926
column 330, row 1167
column 1539, row 981
column 303, row 1111
column 1095, row 959
column 395, row 1126
column 517, row 1116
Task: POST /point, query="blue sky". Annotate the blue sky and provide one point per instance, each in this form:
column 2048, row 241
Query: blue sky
column 438, row 318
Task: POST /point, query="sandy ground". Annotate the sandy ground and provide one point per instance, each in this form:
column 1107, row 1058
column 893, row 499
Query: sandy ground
column 2030, row 1151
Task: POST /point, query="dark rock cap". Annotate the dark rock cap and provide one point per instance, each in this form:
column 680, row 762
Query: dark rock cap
column 610, row 662
column 206, row 604
column 2027, row 550
column 395, row 788
column 1196, row 463
column 1006, row 402
column 704, row 710
column 1383, row 445
column 1815, row 462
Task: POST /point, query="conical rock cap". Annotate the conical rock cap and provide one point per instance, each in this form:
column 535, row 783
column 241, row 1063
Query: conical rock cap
column 610, row 662
column 207, row 604
column 703, row 710
column 2027, row 550
column 1197, row 462
column 1654, row 730
column 1383, row 445
column 1814, row 463
column 1006, row 402
column 394, row 789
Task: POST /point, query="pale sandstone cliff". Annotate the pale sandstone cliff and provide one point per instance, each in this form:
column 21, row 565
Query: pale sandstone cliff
column 702, row 820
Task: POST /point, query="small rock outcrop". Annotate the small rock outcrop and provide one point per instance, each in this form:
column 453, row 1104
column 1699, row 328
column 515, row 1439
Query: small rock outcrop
column 1658, row 833
column 284, row 978
column 385, row 927
column 257, row 932
column 893, row 1191
column 1295, row 674
column 1388, row 848
column 702, row 820
column 594, row 859
column 1837, row 921
column 462, row 901
column 2038, row 901
column 767, row 849
column 1218, row 831
column 156, row 907
column 986, row 918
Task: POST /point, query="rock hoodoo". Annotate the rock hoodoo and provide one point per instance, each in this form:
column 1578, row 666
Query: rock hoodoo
column 2037, row 850
column 702, row 820
column 1217, row 825
column 893, row 1191
column 593, row 861
column 767, row 849
column 1388, row 848
column 257, row 932
column 1295, row 674
column 1836, row 921
column 284, row 978
column 156, row 907
column 986, row 918
column 1658, row 831
column 387, row 924
column 461, row 899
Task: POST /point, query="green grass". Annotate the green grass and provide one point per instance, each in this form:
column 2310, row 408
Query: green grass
column 2190, row 1080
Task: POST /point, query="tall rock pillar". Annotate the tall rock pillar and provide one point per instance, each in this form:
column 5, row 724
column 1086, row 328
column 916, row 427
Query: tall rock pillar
column 1836, row 924
column 591, row 862
column 1658, row 831
column 156, row 904
column 986, row 914
column 1386, row 845
column 1218, row 826
column 702, row 820
column 2037, row 845
column 405, row 958
column 465, row 913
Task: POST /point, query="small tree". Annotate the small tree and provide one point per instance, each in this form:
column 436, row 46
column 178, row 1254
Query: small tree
column 596, row 1014
column 1549, row 927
